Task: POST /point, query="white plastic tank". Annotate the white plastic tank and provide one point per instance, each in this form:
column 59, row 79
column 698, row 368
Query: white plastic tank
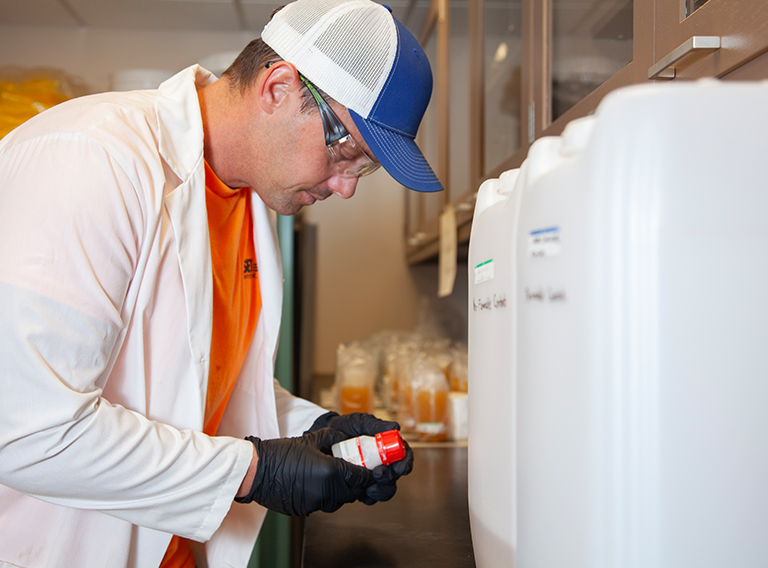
column 628, row 388
column 491, row 401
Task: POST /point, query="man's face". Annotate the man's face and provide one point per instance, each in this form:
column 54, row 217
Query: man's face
column 299, row 172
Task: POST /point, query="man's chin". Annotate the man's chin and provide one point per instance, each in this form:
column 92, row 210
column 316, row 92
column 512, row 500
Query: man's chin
column 289, row 209
column 298, row 200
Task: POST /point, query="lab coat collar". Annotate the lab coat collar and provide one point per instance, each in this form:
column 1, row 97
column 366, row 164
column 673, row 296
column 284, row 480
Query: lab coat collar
column 180, row 119
column 181, row 137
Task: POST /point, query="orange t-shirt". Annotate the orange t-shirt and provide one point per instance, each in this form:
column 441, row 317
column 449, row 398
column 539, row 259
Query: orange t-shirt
column 236, row 307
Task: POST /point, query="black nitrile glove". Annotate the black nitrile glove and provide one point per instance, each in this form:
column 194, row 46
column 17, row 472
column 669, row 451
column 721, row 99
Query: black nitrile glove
column 296, row 476
column 355, row 424
column 360, row 424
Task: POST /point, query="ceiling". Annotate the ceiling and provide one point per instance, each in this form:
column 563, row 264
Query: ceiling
column 211, row 15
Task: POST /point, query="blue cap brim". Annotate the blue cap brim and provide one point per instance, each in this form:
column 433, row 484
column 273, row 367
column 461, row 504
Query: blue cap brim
column 399, row 155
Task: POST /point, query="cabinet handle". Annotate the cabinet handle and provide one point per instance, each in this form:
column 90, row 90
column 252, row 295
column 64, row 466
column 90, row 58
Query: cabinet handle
column 664, row 70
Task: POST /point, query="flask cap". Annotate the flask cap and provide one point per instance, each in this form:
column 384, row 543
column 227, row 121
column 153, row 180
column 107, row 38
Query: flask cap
column 390, row 445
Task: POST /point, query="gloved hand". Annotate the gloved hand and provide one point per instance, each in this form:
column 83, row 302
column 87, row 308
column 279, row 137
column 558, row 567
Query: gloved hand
column 296, row 476
column 360, row 424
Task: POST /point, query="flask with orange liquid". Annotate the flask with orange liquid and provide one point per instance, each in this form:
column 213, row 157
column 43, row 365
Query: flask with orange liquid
column 431, row 402
column 406, row 357
column 458, row 370
column 356, row 397
column 355, row 380
column 390, row 377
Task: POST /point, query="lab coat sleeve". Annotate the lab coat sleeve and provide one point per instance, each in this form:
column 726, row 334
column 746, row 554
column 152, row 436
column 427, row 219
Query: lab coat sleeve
column 70, row 240
column 294, row 415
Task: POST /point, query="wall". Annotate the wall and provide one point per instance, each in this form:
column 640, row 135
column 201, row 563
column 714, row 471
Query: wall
column 95, row 54
column 364, row 284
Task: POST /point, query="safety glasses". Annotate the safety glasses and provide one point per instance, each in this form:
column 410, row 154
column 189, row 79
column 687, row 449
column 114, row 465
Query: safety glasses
column 345, row 156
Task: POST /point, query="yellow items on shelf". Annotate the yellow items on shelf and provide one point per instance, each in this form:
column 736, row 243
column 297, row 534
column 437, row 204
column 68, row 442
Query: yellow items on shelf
column 27, row 92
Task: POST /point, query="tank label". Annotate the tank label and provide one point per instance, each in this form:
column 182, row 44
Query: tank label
column 544, row 242
column 495, row 302
column 484, row 271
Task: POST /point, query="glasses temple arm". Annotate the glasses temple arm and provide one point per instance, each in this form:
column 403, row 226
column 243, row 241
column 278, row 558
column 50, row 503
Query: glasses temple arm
column 334, row 129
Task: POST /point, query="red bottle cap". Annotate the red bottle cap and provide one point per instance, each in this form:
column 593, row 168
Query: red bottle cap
column 390, row 445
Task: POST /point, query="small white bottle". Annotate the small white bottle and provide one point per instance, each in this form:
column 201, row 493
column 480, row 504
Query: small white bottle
column 371, row 451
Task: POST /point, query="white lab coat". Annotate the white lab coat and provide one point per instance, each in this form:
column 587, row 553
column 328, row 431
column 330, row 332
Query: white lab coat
column 105, row 331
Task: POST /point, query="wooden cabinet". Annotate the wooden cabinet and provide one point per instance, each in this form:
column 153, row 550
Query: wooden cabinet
column 510, row 71
column 740, row 26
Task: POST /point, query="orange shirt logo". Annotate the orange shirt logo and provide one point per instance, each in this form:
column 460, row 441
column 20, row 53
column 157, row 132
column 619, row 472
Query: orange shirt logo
column 250, row 269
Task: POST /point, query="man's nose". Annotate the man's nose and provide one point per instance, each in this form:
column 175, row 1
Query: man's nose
column 344, row 187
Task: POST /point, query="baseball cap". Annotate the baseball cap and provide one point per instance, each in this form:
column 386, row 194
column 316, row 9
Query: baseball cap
column 364, row 58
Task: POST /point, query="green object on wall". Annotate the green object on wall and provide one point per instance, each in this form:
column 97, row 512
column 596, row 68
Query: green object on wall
column 273, row 547
column 285, row 355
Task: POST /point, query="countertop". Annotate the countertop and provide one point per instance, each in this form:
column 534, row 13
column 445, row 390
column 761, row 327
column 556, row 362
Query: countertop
column 426, row 523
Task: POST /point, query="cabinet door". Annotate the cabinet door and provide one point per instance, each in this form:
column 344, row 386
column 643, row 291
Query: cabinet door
column 741, row 25
column 458, row 174
column 590, row 43
column 423, row 209
column 501, row 98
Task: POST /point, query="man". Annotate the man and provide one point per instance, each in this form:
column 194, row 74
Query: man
column 140, row 292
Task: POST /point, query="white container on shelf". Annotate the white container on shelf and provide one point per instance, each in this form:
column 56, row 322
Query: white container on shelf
column 139, row 79
column 630, row 378
column 491, row 400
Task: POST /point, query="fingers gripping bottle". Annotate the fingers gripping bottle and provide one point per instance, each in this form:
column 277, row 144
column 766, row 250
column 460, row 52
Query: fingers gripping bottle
column 370, row 451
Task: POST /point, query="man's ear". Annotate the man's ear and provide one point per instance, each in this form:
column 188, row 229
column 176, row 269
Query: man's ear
column 280, row 82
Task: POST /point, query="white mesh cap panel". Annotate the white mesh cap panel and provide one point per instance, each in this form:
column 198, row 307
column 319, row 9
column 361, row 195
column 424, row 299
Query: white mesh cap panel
column 303, row 20
column 323, row 39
